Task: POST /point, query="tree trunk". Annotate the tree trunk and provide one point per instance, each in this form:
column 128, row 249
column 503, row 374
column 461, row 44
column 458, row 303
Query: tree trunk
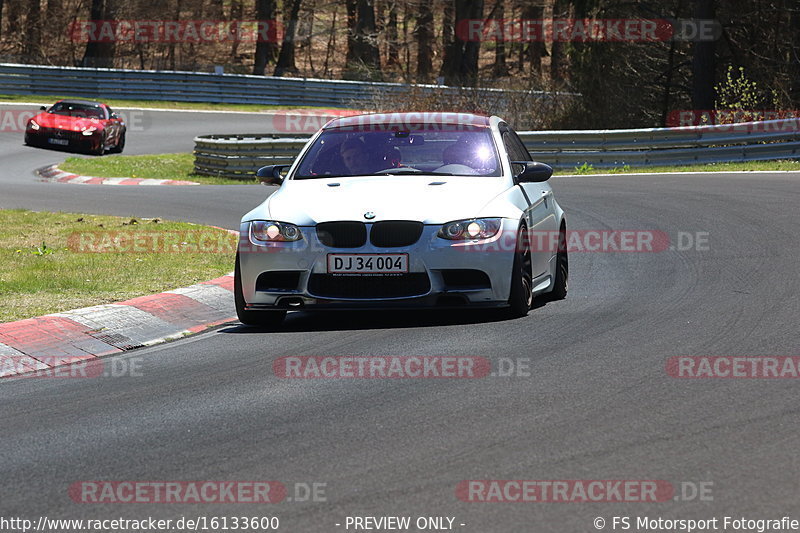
column 32, row 49
column 13, row 16
column 236, row 17
column 286, row 63
column 101, row 54
column 265, row 48
column 460, row 63
column 499, row 69
column 173, row 47
column 558, row 53
column 703, row 62
column 424, row 37
column 216, row 11
column 392, row 36
column 535, row 50
column 362, row 49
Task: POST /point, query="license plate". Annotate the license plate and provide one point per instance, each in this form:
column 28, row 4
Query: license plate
column 62, row 142
column 367, row 263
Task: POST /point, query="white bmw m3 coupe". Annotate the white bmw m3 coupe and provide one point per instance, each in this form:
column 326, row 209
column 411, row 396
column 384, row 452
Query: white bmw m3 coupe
column 403, row 210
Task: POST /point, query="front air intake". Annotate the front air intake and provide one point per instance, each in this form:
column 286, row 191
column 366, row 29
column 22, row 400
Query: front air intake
column 395, row 233
column 342, row 234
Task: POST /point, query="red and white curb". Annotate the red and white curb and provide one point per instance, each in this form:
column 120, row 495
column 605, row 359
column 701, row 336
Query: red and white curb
column 55, row 174
column 82, row 334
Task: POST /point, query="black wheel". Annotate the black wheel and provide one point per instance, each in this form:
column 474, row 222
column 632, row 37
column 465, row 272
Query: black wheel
column 252, row 318
column 120, row 146
column 521, row 297
column 561, row 283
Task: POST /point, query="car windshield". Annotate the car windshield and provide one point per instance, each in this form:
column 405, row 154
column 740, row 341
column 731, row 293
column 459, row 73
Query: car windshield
column 77, row 110
column 421, row 149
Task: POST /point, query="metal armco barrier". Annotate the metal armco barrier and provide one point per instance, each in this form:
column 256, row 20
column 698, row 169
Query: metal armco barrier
column 746, row 141
column 202, row 87
column 239, row 156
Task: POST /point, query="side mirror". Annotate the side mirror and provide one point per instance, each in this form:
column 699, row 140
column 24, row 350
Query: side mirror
column 533, row 172
column 271, row 175
column 43, row 108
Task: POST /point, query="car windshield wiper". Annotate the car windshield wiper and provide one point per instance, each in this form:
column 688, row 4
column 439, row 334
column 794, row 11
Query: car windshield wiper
column 325, row 176
column 394, row 172
column 410, row 170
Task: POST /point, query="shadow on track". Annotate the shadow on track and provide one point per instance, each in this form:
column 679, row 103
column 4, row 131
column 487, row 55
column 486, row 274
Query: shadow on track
column 344, row 320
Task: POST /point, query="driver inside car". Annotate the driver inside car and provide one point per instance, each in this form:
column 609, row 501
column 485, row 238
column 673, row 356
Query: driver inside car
column 355, row 157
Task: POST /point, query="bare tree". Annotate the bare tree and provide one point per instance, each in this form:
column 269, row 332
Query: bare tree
column 101, row 54
column 533, row 51
column 704, row 61
column 424, row 37
column 286, row 63
column 499, row 69
column 460, row 63
column 362, row 49
column 33, row 32
column 266, row 49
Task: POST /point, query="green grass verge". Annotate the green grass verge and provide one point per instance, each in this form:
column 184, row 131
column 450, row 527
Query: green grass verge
column 156, row 104
column 181, row 166
column 159, row 167
column 756, row 166
column 51, row 262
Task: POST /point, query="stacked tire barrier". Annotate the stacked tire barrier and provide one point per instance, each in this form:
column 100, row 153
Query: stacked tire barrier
column 239, row 156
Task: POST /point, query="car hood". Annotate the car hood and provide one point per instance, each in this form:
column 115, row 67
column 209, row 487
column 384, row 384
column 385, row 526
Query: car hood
column 427, row 199
column 62, row 122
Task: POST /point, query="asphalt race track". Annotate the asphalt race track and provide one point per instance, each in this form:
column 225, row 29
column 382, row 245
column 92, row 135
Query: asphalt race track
column 597, row 402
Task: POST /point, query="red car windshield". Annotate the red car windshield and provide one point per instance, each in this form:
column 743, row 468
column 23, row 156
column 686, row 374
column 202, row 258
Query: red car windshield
column 77, row 110
column 402, row 150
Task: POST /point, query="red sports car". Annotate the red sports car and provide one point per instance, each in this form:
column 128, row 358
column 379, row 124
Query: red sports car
column 77, row 124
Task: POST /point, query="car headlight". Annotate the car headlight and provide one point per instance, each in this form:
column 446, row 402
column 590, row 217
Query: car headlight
column 89, row 131
column 270, row 231
column 33, row 125
column 477, row 228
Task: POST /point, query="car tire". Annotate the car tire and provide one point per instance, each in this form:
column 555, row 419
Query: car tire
column 521, row 298
column 271, row 319
column 120, row 146
column 561, row 283
column 101, row 149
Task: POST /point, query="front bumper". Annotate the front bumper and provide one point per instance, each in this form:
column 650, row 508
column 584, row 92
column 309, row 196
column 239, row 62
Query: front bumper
column 62, row 139
column 428, row 283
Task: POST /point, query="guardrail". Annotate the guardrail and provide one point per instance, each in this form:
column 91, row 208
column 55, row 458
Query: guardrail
column 239, row 156
column 746, row 141
column 204, row 87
